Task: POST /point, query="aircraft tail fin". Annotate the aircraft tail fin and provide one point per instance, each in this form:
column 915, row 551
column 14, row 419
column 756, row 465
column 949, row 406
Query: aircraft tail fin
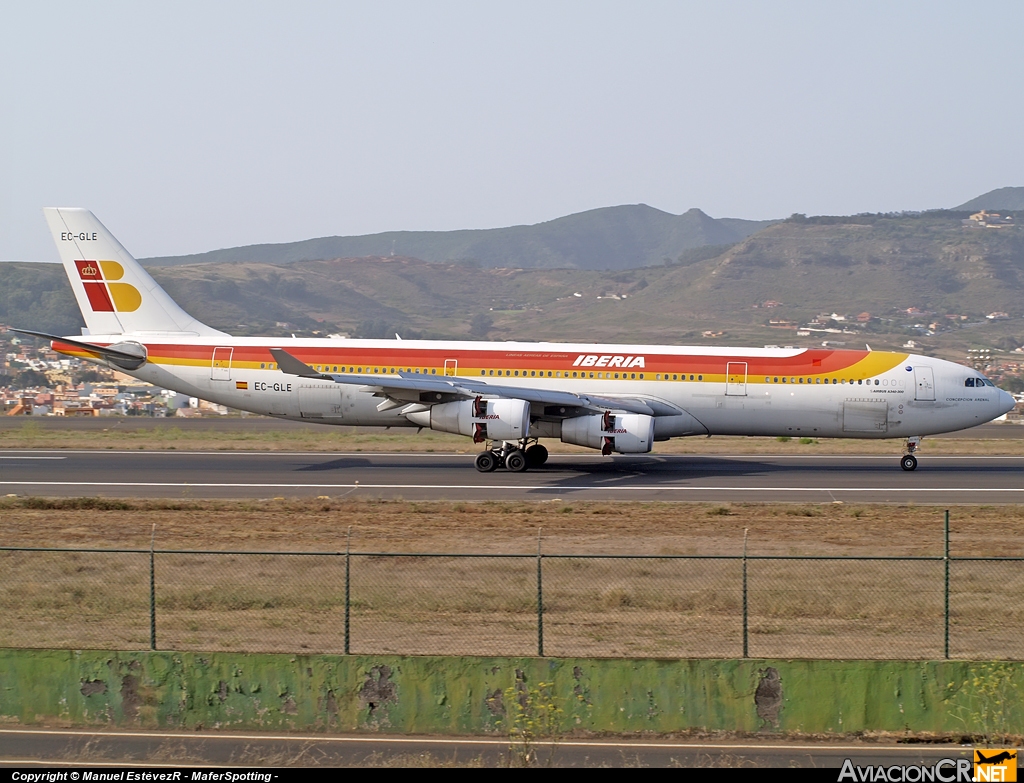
column 115, row 294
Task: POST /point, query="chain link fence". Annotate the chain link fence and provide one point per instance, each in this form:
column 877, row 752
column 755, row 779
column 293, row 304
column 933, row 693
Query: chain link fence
column 522, row 604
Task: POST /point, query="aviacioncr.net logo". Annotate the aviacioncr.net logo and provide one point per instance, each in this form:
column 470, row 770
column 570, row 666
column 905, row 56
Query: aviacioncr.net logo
column 105, row 295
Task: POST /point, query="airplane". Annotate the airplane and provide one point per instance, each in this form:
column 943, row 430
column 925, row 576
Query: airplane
column 619, row 399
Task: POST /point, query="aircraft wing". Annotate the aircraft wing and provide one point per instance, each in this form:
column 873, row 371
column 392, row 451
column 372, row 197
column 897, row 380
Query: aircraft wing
column 429, row 390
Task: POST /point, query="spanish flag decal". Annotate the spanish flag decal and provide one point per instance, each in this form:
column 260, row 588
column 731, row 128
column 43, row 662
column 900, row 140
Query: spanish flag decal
column 241, row 384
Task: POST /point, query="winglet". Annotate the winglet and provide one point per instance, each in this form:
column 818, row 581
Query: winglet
column 292, row 366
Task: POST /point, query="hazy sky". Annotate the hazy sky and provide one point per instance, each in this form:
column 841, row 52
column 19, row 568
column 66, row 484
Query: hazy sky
column 192, row 126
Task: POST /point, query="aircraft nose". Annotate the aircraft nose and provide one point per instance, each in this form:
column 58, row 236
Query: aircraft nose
column 1006, row 402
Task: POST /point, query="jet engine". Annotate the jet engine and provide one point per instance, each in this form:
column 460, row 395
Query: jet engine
column 632, row 433
column 481, row 419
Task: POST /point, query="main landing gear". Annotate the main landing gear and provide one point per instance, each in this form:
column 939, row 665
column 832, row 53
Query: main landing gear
column 513, row 456
column 909, row 461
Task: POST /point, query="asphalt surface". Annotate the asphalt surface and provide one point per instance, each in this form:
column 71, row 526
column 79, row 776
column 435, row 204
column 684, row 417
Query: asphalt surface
column 874, row 479
column 21, row 747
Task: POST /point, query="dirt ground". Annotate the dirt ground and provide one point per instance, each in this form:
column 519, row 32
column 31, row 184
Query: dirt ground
column 833, row 529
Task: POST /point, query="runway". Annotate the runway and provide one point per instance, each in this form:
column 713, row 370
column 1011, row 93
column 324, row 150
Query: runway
column 950, row 480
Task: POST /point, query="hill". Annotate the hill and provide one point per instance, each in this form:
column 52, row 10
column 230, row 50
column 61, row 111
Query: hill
column 881, row 264
column 623, row 237
column 1006, row 199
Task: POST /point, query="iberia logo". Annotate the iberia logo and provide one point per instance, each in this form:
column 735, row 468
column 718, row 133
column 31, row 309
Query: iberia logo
column 106, row 296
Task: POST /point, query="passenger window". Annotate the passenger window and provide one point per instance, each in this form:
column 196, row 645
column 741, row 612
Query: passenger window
column 801, row 380
column 775, row 379
column 691, row 377
column 876, row 381
column 433, row 372
column 533, row 373
column 699, row 377
column 632, row 375
column 517, row 373
column 574, row 375
column 263, row 365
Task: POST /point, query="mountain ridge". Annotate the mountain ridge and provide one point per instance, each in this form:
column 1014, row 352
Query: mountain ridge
column 999, row 199
column 620, row 237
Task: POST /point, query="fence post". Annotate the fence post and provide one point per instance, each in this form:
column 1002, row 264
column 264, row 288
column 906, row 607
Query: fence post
column 945, row 559
column 540, row 599
column 348, row 586
column 746, row 640
column 152, row 588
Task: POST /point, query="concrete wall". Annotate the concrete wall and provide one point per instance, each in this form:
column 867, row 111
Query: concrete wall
column 460, row 695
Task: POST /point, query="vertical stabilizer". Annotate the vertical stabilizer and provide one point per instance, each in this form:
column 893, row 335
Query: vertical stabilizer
column 115, row 294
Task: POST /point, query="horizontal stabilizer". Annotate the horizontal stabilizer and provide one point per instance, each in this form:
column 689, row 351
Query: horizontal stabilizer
column 127, row 356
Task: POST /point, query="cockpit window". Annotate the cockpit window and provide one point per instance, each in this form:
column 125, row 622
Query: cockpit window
column 969, row 383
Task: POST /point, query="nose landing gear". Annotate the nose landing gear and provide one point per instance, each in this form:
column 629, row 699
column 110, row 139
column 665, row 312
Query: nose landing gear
column 909, row 461
column 513, row 456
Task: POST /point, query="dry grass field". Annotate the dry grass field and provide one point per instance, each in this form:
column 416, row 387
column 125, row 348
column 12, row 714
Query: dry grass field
column 657, row 605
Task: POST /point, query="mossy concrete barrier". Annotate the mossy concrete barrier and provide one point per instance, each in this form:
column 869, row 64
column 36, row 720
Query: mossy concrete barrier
column 463, row 695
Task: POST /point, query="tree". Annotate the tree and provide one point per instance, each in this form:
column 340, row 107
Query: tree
column 27, row 378
column 481, row 325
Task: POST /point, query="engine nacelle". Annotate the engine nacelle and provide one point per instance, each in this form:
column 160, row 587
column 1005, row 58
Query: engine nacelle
column 631, row 433
column 482, row 419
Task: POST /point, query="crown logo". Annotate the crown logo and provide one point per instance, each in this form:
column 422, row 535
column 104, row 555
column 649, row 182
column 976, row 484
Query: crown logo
column 89, row 271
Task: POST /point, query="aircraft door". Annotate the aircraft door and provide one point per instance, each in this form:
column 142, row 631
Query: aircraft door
column 451, row 367
column 220, row 369
column 736, row 379
column 924, row 380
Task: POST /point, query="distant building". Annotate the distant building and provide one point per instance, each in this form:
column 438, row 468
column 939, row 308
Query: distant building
column 985, row 219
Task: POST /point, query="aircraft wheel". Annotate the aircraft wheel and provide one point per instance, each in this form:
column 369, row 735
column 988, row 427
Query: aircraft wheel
column 516, row 461
column 536, row 456
column 909, row 462
column 486, row 462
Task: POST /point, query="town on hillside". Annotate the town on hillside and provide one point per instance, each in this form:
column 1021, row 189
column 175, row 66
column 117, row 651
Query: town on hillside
column 37, row 381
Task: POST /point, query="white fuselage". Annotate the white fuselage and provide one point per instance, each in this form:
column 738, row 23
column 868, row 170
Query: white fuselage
column 733, row 391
